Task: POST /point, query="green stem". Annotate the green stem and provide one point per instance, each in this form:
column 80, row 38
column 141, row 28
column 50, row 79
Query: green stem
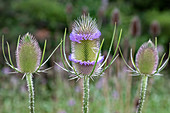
column 31, row 92
column 144, row 83
column 86, row 94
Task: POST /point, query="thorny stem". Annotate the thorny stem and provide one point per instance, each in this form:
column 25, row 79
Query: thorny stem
column 144, row 83
column 86, row 94
column 31, row 92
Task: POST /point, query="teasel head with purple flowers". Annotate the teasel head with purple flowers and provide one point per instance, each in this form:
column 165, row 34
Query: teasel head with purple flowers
column 86, row 58
column 85, row 40
column 29, row 61
column 86, row 55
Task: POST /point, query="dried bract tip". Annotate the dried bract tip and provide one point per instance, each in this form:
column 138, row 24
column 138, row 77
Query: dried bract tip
column 28, row 54
column 135, row 27
column 147, row 58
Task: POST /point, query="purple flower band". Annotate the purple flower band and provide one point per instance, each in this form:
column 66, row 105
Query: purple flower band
column 77, row 37
column 100, row 60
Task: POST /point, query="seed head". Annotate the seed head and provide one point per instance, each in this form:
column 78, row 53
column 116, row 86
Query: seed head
column 155, row 28
column 28, row 54
column 115, row 16
column 135, row 27
column 147, row 58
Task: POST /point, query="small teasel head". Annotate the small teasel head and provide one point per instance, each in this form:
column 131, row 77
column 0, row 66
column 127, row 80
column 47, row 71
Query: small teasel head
column 155, row 28
column 85, row 44
column 116, row 16
column 147, row 58
column 135, row 27
column 28, row 54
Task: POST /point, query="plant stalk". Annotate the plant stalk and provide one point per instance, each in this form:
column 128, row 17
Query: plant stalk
column 31, row 92
column 144, row 83
column 86, row 94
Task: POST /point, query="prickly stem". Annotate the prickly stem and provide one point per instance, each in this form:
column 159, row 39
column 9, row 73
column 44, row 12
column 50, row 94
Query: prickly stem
column 85, row 94
column 144, row 83
column 31, row 92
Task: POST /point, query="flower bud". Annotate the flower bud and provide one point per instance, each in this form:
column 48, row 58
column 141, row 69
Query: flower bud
column 147, row 58
column 85, row 45
column 28, row 54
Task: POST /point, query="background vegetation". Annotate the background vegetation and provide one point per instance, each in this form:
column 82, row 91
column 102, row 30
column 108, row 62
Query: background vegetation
column 116, row 91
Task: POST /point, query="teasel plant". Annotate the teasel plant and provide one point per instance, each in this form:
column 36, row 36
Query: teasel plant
column 29, row 61
column 146, row 66
column 86, row 58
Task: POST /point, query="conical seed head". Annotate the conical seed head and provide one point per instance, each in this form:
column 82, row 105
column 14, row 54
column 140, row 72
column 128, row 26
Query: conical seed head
column 28, row 54
column 147, row 58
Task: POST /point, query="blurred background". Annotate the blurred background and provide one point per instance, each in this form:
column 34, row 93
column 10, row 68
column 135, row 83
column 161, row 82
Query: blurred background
column 116, row 91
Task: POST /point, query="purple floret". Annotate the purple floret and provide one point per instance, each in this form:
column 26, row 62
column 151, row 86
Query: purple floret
column 78, row 37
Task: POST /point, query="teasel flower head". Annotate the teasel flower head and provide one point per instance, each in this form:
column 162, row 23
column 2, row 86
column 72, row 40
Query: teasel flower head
column 85, row 44
column 29, row 61
column 135, row 26
column 86, row 55
column 116, row 16
column 147, row 60
column 86, row 58
column 28, row 54
column 155, row 28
